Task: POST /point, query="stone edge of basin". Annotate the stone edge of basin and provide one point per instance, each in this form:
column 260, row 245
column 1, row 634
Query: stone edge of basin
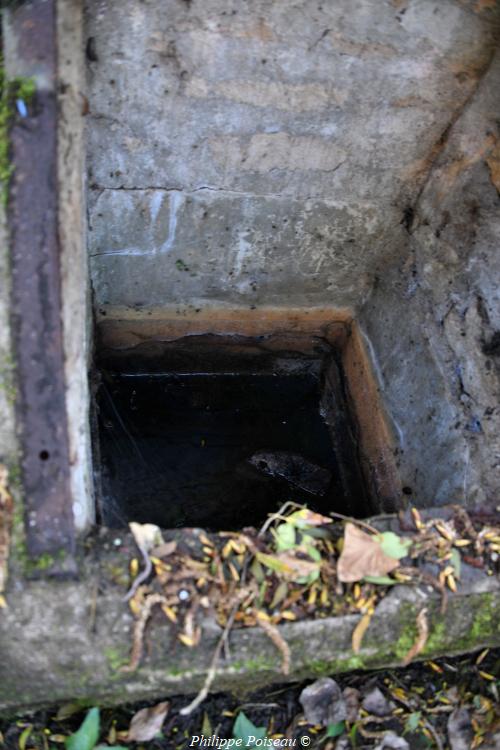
column 66, row 640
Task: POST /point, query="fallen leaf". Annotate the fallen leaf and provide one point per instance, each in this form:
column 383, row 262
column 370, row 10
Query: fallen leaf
column 243, row 729
column 380, row 580
column 305, row 517
column 24, row 737
column 335, row 730
column 421, row 640
column 67, row 710
column 289, row 566
column 393, row 545
column 85, row 738
column 362, row 555
column 165, row 549
column 206, row 727
column 285, row 537
column 146, row 535
column 323, row 702
column 146, row 723
column 359, row 631
column 279, row 595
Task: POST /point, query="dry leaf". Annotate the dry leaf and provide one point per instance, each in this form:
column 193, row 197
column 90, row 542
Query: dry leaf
column 288, row 565
column 423, row 633
column 165, row 549
column 146, row 535
column 362, row 556
column 146, row 723
column 306, row 517
column 359, row 631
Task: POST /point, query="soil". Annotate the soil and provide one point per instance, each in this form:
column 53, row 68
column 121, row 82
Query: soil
column 423, row 694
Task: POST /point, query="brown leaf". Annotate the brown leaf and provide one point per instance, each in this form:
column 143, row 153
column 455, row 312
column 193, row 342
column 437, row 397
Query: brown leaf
column 421, row 640
column 306, row 517
column 362, row 556
column 146, row 723
column 146, row 535
column 165, row 549
column 288, row 565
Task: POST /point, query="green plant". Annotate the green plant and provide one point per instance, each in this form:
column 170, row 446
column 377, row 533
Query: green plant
column 246, row 731
column 85, row 738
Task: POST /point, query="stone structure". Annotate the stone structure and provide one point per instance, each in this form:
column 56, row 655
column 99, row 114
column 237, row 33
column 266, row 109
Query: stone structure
column 249, row 157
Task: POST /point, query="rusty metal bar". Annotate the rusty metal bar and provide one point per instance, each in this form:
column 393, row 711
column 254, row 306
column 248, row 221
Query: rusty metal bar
column 36, row 291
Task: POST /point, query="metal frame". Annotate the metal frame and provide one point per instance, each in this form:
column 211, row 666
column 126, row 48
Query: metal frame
column 36, row 295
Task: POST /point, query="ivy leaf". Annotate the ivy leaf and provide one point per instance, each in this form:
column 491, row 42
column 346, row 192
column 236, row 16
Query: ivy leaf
column 335, row 730
column 243, row 729
column 394, row 545
column 86, row 737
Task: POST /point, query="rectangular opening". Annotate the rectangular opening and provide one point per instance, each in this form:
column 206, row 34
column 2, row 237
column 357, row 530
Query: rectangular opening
column 218, row 430
column 218, row 433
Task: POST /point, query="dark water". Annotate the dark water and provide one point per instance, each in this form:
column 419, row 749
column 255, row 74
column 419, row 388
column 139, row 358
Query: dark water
column 175, row 449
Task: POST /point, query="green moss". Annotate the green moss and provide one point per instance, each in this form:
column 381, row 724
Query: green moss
column 7, row 380
column 115, row 658
column 18, row 88
column 255, row 665
column 323, row 667
column 486, row 619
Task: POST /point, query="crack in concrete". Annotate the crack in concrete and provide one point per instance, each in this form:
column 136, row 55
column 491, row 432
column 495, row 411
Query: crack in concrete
column 211, row 189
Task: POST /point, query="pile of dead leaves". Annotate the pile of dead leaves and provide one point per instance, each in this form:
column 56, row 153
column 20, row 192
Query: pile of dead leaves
column 299, row 565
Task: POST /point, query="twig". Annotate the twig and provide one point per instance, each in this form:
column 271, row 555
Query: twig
column 141, row 577
column 437, row 738
column 276, row 516
column 212, row 671
column 279, row 515
column 139, row 627
column 421, row 640
column 275, row 636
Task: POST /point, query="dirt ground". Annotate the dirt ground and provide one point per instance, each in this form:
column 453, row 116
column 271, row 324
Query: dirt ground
column 450, row 703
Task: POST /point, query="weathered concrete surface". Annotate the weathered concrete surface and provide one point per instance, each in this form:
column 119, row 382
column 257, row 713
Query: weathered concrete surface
column 270, row 147
column 314, row 154
column 67, row 641
column 8, row 438
column 433, row 319
column 75, row 290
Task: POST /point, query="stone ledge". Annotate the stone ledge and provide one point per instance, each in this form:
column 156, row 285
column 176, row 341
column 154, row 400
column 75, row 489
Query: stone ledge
column 66, row 641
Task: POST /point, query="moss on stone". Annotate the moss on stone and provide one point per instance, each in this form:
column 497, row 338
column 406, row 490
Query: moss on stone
column 10, row 91
column 115, row 658
column 7, row 385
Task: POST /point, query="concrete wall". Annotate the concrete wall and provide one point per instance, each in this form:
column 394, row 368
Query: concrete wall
column 313, row 154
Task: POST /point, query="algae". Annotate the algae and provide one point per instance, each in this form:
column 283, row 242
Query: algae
column 11, row 91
